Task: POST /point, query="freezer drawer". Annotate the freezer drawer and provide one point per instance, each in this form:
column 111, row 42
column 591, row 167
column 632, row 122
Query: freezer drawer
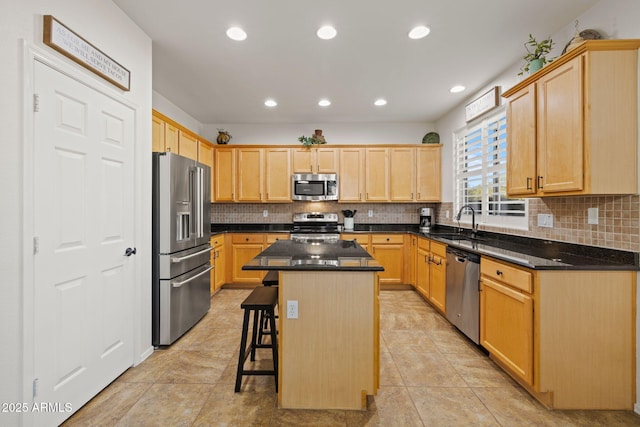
column 172, row 265
column 184, row 300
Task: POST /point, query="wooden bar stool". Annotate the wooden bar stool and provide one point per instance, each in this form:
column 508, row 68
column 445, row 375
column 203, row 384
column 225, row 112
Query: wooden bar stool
column 261, row 299
column 270, row 279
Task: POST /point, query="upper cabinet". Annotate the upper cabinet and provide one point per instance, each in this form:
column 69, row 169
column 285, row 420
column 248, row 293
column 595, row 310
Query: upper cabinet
column 187, row 145
column 351, row 175
column 573, row 126
column 415, row 174
column 315, row 160
column 164, row 135
column 376, row 174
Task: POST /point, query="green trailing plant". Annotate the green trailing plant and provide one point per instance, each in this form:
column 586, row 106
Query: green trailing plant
column 308, row 141
column 536, row 50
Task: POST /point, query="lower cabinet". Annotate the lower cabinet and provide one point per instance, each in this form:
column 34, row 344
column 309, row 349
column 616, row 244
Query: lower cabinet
column 567, row 336
column 245, row 247
column 423, row 258
column 389, row 250
column 218, row 258
column 506, row 317
column 438, row 276
column 363, row 239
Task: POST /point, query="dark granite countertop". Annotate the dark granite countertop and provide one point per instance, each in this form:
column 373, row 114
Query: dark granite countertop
column 525, row 251
column 344, row 255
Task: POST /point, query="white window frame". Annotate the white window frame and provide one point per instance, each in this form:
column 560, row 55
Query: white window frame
column 472, row 163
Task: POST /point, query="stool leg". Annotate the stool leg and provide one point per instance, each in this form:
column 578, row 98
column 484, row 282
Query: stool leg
column 243, row 346
column 254, row 336
column 274, row 345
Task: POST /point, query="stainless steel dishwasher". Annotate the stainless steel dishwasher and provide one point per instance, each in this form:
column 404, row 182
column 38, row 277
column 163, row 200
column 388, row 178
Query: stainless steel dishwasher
column 463, row 292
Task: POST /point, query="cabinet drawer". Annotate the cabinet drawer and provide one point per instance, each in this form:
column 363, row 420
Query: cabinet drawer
column 508, row 274
column 382, row 239
column 424, row 244
column 217, row 240
column 247, row 238
column 439, row 249
column 274, row 237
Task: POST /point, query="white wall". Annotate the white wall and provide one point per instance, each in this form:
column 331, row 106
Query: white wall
column 104, row 25
column 169, row 109
column 614, row 19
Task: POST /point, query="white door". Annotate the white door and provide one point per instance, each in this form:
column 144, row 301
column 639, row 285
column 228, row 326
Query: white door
column 83, row 223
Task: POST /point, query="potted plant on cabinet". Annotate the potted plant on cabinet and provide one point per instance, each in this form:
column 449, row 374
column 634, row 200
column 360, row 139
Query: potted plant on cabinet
column 536, row 56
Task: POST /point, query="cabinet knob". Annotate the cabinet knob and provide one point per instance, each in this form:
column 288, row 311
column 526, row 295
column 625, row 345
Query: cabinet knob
column 246, row 239
column 387, row 239
column 498, row 272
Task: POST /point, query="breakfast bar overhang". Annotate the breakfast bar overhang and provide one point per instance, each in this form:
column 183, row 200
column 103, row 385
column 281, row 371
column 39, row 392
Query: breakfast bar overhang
column 330, row 354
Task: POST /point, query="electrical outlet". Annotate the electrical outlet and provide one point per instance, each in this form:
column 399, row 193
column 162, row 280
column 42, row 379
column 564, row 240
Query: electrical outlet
column 370, row 213
column 545, row 220
column 447, row 214
column 265, row 213
column 592, row 216
column 292, row 309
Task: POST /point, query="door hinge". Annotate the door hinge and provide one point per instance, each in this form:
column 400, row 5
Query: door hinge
column 36, row 245
column 36, row 102
column 35, row 388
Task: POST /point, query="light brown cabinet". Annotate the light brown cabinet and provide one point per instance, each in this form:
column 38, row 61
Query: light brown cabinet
column 437, row 276
column 351, row 175
column 563, row 335
column 422, row 261
column 363, row 239
column 164, row 135
column 572, row 126
column 250, row 174
column 315, row 160
column 245, row 247
column 218, row 261
column 187, row 145
column 388, row 250
column 205, row 156
column 429, row 173
column 415, row 174
column 224, row 171
column 376, row 182
column 277, row 175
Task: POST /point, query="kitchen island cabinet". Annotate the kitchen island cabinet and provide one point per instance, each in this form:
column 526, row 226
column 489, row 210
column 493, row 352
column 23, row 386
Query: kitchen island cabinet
column 329, row 354
column 566, row 336
column 389, row 251
column 573, row 125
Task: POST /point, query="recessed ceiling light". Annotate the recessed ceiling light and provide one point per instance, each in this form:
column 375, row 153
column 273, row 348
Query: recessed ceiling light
column 457, row 88
column 270, row 103
column 236, row 33
column 380, row 102
column 419, row 32
column 324, row 102
column 326, row 32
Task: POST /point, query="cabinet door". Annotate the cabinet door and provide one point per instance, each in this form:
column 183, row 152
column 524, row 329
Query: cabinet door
column 521, row 155
column 362, row 239
column 220, row 266
column 437, row 281
column 302, row 160
column 187, row 145
column 171, row 138
column 242, row 254
column 205, row 156
column 402, row 174
column 224, row 170
column 428, row 174
column 277, row 183
column 506, row 327
column 157, row 134
column 422, row 272
column 326, row 160
column 250, row 172
column 391, row 257
column 560, row 131
column 377, row 174
column 351, row 174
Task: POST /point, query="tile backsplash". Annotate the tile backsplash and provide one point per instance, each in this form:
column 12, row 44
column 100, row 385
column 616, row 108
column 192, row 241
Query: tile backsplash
column 618, row 217
column 618, row 221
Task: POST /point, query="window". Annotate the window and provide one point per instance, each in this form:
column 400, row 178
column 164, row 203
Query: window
column 480, row 175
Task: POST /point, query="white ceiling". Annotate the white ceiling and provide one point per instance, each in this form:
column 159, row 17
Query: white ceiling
column 217, row 80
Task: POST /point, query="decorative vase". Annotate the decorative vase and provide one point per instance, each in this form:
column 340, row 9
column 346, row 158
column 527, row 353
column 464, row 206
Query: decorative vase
column 535, row 65
column 348, row 223
column 223, row 137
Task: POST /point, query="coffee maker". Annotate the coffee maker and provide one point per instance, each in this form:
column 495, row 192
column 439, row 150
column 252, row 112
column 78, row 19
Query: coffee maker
column 425, row 220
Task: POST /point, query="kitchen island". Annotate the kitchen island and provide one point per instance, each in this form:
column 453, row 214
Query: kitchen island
column 328, row 349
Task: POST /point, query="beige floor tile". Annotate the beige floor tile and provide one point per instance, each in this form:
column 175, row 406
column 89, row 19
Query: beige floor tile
column 412, row 340
column 303, row 417
column 478, row 370
column 109, row 406
column 449, row 340
column 450, row 406
column 151, row 369
column 168, row 405
column 389, row 373
column 391, row 407
column 427, row 369
column 195, row 367
column 227, row 408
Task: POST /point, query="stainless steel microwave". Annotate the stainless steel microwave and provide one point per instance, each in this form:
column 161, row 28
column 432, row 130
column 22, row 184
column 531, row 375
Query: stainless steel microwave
column 314, row 187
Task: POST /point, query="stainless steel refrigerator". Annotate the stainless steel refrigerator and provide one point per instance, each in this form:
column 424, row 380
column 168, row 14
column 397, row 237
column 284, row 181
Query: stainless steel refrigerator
column 181, row 231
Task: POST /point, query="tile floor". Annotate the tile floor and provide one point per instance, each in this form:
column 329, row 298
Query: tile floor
column 430, row 376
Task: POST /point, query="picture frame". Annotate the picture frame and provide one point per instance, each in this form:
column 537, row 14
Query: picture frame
column 484, row 103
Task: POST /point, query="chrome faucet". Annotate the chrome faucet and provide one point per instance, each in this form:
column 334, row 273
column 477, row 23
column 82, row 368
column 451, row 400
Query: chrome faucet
column 474, row 229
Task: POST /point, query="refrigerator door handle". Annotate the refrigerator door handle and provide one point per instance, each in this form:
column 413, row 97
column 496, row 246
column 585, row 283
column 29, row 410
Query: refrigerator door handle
column 178, row 284
column 198, row 206
column 182, row 258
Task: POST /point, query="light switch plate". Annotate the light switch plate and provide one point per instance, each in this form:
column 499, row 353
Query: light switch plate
column 592, row 216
